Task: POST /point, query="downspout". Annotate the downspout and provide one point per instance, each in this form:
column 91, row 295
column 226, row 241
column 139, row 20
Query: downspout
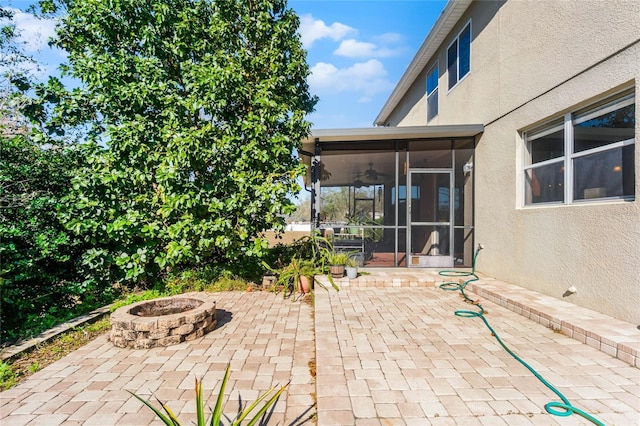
column 315, row 186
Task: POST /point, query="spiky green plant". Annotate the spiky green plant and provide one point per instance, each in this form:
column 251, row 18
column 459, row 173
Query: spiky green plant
column 170, row 419
column 338, row 258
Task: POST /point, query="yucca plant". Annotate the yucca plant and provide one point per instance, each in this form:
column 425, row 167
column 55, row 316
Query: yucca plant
column 215, row 419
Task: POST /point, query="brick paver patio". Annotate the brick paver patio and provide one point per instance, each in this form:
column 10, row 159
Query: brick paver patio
column 405, row 358
column 268, row 341
column 385, row 356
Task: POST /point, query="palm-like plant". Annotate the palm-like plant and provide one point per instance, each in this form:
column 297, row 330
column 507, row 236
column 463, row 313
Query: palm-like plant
column 291, row 275
column 215, row 419
column 311, row 259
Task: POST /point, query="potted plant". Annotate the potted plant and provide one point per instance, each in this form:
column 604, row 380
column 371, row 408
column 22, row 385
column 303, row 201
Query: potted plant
column 337, row 262
column 307, row 273
column 351, row 267
column 309, row 258
column 299, row 275
column 291, row 277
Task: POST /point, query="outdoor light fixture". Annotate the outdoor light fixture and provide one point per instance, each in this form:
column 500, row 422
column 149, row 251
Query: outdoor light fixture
column 467, row 168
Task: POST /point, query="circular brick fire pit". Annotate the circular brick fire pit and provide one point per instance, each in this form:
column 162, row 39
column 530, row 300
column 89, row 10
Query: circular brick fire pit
column 162, row 322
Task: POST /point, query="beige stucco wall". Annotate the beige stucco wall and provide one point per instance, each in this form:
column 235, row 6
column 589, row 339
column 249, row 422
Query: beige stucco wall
column 593, row 246
column 533, row 60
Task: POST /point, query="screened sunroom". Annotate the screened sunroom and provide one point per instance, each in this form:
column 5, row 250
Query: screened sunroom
column 395, row 196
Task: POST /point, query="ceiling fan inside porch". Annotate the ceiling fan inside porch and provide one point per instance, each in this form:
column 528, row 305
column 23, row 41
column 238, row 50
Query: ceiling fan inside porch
column 373, row 174
column 357, row 182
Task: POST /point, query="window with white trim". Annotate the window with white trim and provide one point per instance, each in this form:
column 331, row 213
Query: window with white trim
column 459, row 56
column 586, row 155
column 432, row 92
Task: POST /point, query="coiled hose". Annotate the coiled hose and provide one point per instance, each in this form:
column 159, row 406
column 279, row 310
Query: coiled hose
column 561, row 409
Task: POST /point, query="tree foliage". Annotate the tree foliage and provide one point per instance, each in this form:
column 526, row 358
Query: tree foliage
column 201, row 105
column 39, row 278
column 38, row 269
column 303, row 210
column 15, row 71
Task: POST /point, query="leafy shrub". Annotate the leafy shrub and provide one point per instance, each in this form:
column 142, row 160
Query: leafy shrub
column 40, row 280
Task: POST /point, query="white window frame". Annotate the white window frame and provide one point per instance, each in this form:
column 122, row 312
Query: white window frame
column 613, row 103
column 457, row 41
column 435, row 67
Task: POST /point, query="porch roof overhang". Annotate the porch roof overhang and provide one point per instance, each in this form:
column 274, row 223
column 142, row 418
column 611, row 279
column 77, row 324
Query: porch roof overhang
column 372, row 134
column 360, row 136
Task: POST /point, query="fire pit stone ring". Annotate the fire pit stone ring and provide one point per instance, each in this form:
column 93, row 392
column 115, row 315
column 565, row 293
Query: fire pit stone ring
column 163, row 322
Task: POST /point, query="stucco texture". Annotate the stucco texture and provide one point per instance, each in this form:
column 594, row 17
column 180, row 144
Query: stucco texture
column 531, row 61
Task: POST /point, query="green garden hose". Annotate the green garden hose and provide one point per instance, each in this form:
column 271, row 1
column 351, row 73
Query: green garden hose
column 562, row 409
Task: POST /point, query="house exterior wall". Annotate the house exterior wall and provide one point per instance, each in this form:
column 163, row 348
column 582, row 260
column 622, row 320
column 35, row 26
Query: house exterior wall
column 531, row 61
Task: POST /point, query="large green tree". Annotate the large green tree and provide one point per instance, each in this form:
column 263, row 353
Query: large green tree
column 200, row 105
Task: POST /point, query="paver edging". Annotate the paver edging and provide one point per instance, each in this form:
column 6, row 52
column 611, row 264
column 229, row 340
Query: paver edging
column 624, row 348
column 21, row 346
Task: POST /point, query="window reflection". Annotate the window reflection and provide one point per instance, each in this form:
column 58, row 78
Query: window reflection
column 614, row 126
column 545, row 184
column 604, row 174
column 597, row 162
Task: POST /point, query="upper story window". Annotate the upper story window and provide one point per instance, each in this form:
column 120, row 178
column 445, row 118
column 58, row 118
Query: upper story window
column 459, row 56
column 584, row 155
column 432, row 92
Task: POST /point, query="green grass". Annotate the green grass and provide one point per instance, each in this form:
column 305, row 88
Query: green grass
column 185, row 283
column 7, row 376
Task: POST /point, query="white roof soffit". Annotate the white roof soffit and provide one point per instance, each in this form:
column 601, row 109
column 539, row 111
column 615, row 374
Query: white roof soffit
column 394, row 133
column 450, row 15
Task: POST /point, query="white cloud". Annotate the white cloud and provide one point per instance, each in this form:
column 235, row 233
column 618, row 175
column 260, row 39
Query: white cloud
column 33, row 33
column 389, row 38
column 314, row 29
column 367, row 78
column 359, row 49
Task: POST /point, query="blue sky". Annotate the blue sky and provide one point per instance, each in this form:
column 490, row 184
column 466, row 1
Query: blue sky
column 364, row 49
column 357, row 51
